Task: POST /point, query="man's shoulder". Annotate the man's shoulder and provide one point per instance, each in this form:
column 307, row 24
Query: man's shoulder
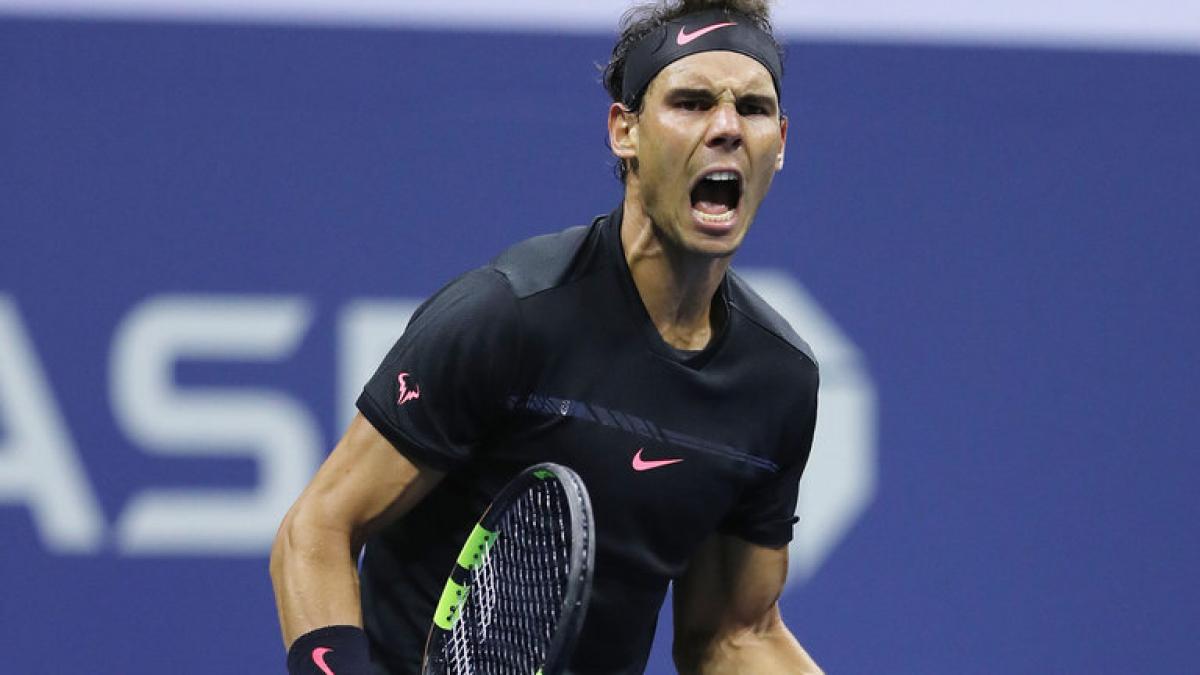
column 545, row 261
column 745, row 301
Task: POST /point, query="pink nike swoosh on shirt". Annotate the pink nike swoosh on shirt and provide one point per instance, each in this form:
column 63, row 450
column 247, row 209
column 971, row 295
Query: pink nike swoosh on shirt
column 640, row 464
column 685, row 37
column 318, row 657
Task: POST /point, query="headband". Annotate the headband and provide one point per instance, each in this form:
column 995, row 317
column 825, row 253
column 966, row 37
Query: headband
column 707, row 31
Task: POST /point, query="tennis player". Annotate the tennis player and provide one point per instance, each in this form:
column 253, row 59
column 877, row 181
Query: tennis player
column 627, row 350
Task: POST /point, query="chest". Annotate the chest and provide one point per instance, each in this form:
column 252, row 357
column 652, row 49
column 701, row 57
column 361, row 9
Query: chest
column 665, row 451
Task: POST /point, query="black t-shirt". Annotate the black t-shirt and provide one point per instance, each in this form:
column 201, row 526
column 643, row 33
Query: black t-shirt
column 548, row 354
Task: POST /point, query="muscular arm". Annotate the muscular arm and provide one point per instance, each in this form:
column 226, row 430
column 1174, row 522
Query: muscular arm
column 363, row 484
column 726, row 616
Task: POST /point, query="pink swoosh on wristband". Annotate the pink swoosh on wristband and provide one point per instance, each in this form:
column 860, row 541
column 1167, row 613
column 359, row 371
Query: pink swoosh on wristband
column 318, row 657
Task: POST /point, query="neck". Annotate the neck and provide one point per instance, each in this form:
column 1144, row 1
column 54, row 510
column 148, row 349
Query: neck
column 676, row 286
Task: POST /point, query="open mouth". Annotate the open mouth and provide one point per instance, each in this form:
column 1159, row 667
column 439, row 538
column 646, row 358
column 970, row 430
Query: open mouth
column 716, row 195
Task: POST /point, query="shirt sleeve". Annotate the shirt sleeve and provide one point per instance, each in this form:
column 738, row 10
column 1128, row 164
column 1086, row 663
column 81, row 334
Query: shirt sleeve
column 766, row 512
column 443, row 386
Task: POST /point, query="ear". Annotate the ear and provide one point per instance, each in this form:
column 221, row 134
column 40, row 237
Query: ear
column 783, row 125
column 622, row 131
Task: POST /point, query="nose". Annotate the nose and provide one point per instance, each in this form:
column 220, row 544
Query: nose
column 725, row 126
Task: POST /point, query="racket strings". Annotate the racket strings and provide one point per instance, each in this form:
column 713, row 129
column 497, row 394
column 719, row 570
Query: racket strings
column 517, row 590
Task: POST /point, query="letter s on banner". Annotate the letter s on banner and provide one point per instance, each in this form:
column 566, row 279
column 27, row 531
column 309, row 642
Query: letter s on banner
column 269, row 426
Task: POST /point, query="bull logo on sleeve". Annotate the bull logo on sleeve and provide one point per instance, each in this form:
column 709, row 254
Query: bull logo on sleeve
column 405, row 394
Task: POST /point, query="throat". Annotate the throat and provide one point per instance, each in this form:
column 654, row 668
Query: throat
column 686, row 342
column 677, row 287
column 689, row 338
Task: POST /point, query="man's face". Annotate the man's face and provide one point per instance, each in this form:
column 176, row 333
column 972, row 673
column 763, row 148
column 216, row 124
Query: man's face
column 707, row 144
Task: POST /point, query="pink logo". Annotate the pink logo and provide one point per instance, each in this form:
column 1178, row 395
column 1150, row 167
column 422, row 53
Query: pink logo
column 685, row 37
column 404, row 395
column 318, row 657
column 640, row 464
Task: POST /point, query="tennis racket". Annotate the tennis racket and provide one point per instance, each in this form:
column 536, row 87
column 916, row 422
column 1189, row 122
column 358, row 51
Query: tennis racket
column 517, row 596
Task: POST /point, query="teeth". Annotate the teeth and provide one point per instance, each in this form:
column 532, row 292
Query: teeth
column 721, row 175
column 717, row 218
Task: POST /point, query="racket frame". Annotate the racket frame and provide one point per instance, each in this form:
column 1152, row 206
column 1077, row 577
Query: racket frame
column 483, row 536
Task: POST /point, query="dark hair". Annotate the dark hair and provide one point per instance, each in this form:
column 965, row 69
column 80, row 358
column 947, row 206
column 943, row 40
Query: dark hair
column 641, row 19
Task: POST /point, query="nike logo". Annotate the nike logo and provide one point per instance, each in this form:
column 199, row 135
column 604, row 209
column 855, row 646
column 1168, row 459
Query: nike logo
column 685, row 37
column 640, row 464
column 318, row 657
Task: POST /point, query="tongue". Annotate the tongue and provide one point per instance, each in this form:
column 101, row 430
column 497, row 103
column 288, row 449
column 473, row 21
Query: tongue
column 711, row 208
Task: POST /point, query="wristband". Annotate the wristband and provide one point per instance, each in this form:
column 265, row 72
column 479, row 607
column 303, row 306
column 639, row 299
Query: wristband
column 333, row 649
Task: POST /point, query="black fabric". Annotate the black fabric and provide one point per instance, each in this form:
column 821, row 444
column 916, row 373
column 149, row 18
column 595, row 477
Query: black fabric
column 459, row 354
column 549, row 355
column 707, row 31
column 342, row 649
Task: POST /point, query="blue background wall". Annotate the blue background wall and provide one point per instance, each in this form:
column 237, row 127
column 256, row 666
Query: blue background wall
column 1009, row 236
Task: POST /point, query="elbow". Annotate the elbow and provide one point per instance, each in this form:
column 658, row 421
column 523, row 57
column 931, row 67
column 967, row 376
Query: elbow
column 763, row 646
column 282, row 546
column 309, row 537
column 301, row 537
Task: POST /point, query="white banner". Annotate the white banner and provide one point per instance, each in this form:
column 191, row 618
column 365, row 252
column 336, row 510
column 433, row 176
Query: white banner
column 1170, row 25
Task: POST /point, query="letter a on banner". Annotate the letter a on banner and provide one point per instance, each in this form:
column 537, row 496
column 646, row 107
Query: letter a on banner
column 38, row 463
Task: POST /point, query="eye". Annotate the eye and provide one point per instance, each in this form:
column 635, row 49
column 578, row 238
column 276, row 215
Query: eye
column 692, row 104
column 752, row 109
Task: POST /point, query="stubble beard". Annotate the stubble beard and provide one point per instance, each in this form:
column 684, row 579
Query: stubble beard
column 673, row 239
column 676, row 246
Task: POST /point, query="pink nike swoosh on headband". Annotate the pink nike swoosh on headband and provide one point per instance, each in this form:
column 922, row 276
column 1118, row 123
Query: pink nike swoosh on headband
column 640, row 464
column 685, row 37
column 318, row 657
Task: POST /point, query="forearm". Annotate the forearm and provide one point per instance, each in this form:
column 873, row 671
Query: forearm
column 768, row 650
column 315, row 577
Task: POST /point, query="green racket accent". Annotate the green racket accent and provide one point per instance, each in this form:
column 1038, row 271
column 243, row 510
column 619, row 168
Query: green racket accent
column 520, row 584
column 453, row 597
column 477, row 546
